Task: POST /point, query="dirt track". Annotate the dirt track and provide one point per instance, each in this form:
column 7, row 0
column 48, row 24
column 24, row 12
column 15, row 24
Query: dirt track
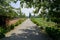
column 26, row 31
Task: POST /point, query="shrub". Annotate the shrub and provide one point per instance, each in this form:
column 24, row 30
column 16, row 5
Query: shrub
column 53, row 32
column 57, row 20
column 2, row 31
column 17, row 23
column 12, row 26
column 2, row 35
column 41, row 28
column 8, row 28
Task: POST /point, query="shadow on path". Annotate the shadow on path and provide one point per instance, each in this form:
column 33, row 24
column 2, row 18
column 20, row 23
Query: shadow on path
column 32, row 33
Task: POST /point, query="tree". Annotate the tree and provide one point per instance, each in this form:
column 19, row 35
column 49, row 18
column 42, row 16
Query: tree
column 6, row 9
column 53, row 7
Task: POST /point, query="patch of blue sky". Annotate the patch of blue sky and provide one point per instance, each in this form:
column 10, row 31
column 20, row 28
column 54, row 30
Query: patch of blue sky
column 15, row 5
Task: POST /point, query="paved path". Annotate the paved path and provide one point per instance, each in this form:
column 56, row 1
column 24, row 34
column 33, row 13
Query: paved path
column 26, row 31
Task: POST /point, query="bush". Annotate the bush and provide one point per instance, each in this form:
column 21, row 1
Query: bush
column 2, row 31
column 2, row 35
column 53, row 32
column 41, row 28
column 56, row 20
column 17, row 23
column 12, row 26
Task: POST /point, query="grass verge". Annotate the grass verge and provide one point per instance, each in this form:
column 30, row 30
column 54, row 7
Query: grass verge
column 3, row 31
column 49, row 27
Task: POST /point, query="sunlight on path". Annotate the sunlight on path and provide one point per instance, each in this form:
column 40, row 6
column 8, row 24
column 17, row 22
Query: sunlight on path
column 26, row 31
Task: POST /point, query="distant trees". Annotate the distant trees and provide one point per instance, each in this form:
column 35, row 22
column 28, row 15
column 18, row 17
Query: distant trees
column 53, row 7
column 29, row 15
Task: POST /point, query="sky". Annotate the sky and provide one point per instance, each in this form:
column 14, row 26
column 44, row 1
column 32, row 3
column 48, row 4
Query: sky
column 24, row 10
column 15, row 5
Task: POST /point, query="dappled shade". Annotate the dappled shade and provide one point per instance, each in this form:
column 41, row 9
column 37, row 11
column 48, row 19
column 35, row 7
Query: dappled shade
column 27, row 32
column 3, row 20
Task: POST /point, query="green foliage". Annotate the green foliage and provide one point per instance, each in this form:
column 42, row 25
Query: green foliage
column 42, row 22
column 42, row 28
column 53, row 32
column 49, row 27
column 5, row 30
column 52, row 6
column 54, row 11
column 2, row 35
column 17, row 23
column 12, row 26
column 6, row 9
column 2, row 31
column 56, row 20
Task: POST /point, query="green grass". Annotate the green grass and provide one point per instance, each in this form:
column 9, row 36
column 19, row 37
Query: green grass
column 49, row 27
column 43, row 22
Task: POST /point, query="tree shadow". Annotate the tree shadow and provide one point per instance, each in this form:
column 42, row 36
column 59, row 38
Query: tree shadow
column 32, row 33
